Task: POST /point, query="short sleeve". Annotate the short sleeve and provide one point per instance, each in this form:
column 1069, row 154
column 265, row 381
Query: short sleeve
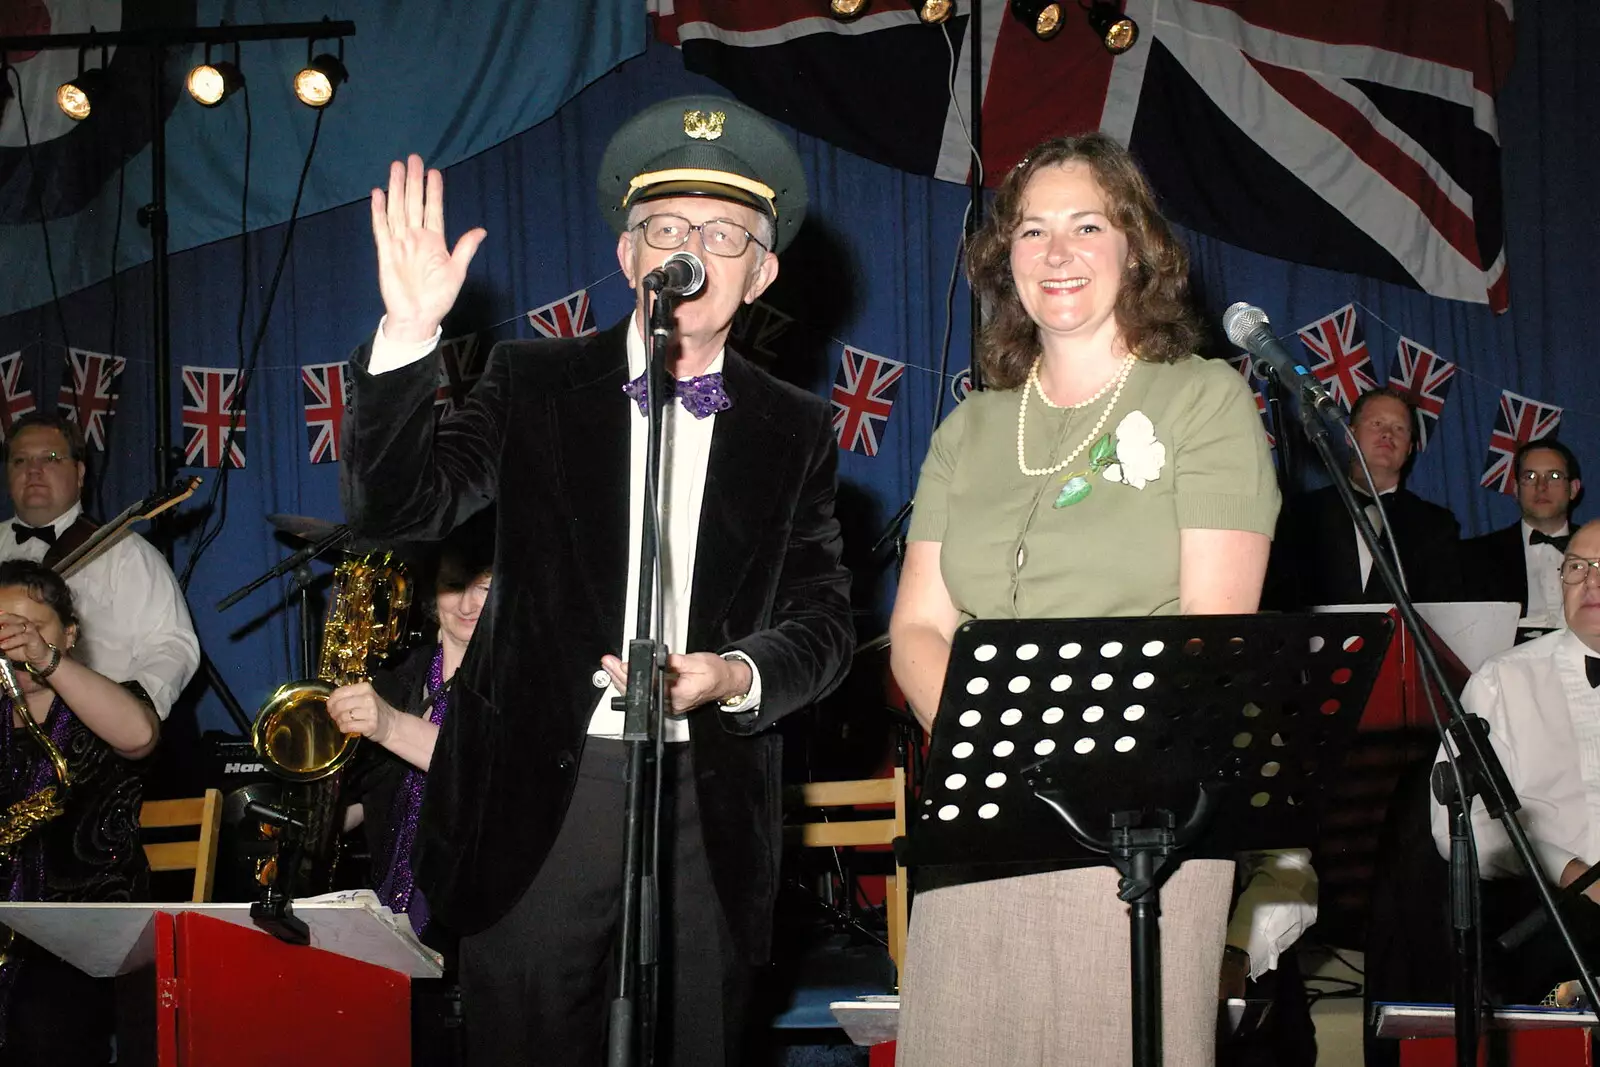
column 1224, row 475
column 931, row 514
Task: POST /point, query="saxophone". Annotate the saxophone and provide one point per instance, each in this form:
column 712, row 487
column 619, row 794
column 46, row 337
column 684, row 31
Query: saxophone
column 26, row 815
column 293, row 733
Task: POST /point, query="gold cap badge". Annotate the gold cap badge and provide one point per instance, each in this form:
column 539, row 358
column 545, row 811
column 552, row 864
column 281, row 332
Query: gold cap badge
column 705, row 127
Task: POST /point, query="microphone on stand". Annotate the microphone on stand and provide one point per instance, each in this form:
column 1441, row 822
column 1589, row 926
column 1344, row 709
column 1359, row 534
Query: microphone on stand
column 681, row 274
column 1246, row 326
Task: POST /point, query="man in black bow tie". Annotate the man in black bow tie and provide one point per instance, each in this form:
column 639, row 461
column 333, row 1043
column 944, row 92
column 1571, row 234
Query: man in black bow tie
column 1519, row 562
column 1543, row 708
column 136, row 625
column 519, row 844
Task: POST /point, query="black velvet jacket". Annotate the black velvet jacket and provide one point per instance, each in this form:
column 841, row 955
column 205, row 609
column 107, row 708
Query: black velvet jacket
column 545, row 433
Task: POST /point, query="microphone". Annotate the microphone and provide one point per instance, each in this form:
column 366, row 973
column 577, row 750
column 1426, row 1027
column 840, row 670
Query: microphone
column 682, row 274
column 1246, row 326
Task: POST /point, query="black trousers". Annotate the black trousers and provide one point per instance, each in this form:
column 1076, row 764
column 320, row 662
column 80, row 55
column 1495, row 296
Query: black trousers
column 536, row 985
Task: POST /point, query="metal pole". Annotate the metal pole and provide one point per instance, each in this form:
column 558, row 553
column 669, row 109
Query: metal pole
column 975, row 170
column 155, row 217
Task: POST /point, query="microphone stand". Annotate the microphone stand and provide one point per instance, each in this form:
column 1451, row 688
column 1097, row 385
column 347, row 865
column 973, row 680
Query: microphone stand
column 631, row 1031
column 1474, row 769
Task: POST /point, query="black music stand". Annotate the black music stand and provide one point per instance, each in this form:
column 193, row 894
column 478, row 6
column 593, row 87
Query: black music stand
column 1200, row 735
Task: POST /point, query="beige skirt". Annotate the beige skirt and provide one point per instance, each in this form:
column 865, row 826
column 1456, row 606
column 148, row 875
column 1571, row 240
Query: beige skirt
column 1033, row 971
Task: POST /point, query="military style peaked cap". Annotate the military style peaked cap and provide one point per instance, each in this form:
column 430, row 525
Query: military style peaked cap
column 704, row 146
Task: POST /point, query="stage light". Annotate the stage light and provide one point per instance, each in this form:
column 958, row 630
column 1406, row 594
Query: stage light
column 1043, row 18
column 77, row 98
column 212, row 83
column 847, row 9
column 1116, row 31
column 319, row 80
column 933, row 12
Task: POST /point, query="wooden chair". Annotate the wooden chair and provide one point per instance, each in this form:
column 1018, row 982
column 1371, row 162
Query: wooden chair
column 889, row 792
column 199, row 855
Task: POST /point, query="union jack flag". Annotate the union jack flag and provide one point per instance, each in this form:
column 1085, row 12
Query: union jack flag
column 1241, row 363
column 1518, row 421
column 568, row 317
column 863, row 396
column 213, row 427
column 460, row 367
column 1342, row 362
column 89, row 393
column 1425, row 379
column 17, row 400
column 756, row 326
column 325, row 392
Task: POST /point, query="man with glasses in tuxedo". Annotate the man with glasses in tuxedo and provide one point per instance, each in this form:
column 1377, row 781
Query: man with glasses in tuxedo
column 1519, row 562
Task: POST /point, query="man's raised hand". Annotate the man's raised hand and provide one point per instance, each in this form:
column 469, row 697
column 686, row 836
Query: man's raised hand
column 418, row 274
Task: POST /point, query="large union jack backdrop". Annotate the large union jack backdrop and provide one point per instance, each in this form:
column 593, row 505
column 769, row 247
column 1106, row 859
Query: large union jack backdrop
column 1425, row 379
column 209, row 425
column 16, row 400
column 756, row 328
column 1339, row 355
column 863, row 397
column 89, row 393
column 1241, row 362
column 460, row 367
column 1355, row 136
column 325, row 394
column 1518, row 421
column 568, row 317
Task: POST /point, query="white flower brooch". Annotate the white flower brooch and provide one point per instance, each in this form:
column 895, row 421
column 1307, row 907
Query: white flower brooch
column 1130, row 455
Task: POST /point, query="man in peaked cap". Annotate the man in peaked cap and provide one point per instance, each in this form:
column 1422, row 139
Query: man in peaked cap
column 519, row 847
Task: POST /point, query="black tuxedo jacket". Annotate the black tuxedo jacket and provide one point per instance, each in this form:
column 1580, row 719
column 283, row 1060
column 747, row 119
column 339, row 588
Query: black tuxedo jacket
column 545, row 433
column 1494, row 566
column 1315, row 561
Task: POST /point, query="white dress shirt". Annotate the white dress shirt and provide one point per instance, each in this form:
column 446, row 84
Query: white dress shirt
column 685, row 450
column 1277, row 904
column 1544, row 580
column 134, row 624
column 1544, row 724
column 1375, row 517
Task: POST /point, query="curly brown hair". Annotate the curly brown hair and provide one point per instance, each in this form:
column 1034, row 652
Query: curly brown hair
column 1153, row 312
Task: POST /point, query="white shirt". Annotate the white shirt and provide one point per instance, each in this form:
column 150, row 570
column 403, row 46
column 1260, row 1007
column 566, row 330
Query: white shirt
column 1544, row 724
column 685, row 450
column 134, row 624
column 1278, row 904
column 1376, row 518
column 1544, row 580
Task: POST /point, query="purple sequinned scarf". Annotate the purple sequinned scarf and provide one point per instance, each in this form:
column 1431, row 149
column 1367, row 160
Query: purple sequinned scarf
column 26, row 771
column 398, row 891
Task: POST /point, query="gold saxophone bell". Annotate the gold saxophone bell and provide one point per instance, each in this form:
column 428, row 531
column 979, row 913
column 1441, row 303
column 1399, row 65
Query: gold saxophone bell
column 24, row 816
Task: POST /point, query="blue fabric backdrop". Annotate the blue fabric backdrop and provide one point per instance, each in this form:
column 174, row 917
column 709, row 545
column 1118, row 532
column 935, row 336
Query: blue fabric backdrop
column 871, row 268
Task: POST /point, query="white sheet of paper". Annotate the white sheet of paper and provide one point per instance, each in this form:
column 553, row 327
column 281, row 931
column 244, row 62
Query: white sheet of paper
column 1473, row 630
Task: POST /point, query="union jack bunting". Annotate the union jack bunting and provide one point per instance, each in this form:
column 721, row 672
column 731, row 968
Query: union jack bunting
column 961, row 385
column 1518, row 421
column 756, row 326
column 1342, row 364
column 863, row 396
column 568, row 317
column 89, row 393
column 17, row 400
column 1241, row 363
column 460, row 367
column 325, row 393
column 1425, row 379
column 209, row 423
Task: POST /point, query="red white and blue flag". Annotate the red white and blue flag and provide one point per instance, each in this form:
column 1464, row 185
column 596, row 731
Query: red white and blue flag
column 1425, row 379
column 863, row 396
column 1339, row 355
column 568, row 317
column 213, row 428
column 961, row 384
column 325, row 386
column 1355, row 136
column 460, row 367
column 1242, row 363
column 1518, row 421
column 17, row 401
column 88, row 394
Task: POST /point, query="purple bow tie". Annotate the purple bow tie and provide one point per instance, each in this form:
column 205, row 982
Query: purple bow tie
column 701, row 395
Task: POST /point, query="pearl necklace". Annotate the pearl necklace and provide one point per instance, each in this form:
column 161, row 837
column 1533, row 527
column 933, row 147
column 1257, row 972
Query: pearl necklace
column 1114, row 384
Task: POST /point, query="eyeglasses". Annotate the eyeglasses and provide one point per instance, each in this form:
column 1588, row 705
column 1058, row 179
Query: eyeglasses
column 42, row 460
column 1555, row 478
column 1574, row 570
column 721, row 237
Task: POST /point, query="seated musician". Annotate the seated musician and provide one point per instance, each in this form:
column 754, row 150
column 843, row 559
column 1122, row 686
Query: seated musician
column 136, row 624
column 54, row 1013
column 1543, row 710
